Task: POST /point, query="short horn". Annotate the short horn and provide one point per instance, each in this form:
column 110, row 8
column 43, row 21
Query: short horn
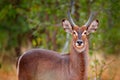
column 71, row 20
column 92, row 14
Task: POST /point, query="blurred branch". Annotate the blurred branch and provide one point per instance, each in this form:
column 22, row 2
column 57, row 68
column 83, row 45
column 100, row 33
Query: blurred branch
column 72, row 9
column 96, row 70
column 103, row 67
column 66, row 43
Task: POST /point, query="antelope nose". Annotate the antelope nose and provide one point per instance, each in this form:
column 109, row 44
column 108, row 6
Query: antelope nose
column 79, row 42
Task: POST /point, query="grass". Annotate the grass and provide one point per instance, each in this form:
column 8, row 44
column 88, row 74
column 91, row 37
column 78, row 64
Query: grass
column 104, row 67
column 8, row 71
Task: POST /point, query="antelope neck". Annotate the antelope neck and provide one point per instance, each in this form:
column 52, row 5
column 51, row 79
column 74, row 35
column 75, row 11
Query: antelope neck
column 79, row 62
column 78, row 57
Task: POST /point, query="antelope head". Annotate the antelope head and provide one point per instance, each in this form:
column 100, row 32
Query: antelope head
column 79, row 34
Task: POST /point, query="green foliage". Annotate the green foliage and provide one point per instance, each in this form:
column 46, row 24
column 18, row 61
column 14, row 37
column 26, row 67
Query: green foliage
column 38, row 22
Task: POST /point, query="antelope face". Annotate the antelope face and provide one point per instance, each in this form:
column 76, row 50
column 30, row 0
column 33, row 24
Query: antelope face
column 79, row 38
column 79, row 34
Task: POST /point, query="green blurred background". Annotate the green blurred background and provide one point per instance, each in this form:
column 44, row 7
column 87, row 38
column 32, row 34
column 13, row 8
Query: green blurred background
column 26, row 24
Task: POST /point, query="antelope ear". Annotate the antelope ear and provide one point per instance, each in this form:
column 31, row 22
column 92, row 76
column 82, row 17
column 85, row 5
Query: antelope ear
column 67, row 26
column 93, row 27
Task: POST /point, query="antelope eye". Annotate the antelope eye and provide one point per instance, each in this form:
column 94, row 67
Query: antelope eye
column 85, row 32
column 74, row 32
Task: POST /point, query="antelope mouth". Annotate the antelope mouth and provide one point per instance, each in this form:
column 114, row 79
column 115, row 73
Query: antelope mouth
column 79, row 47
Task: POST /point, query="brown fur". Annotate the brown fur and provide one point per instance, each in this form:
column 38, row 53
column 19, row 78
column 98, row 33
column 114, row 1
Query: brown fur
column 41, row 64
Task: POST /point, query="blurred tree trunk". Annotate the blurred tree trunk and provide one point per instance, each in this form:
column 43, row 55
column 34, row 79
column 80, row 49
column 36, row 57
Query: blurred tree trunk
column 48, row 39
column 88, row 7
column 16, row 3
column 18, row 48
column 77, row 16
column 110, row 20
column 54, row 39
